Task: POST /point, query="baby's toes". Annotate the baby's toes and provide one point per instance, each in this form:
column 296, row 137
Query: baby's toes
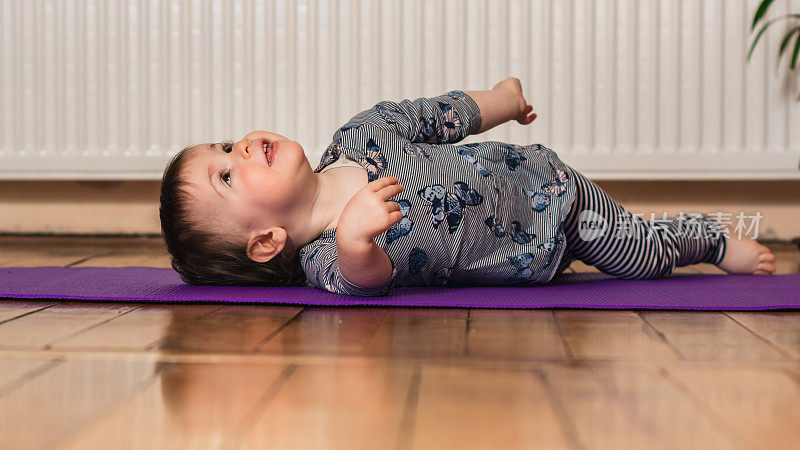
column 764, row 268
column 767, row 257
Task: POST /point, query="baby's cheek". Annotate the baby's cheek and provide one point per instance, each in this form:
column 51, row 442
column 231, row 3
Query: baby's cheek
column 256, row 179
column 276, row 191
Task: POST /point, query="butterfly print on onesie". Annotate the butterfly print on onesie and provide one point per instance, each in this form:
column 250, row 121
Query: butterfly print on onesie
column 374, row 161
column 416, row 149
column 472, row 156
column 449, row 204
column 513, row 157
column 404, row 226
column 417, row 260
column 558, row 186
column 388, row 113
column 428, row 131
column 523, row 265
column 539, row 200
column 495, row 226
column 451, row 121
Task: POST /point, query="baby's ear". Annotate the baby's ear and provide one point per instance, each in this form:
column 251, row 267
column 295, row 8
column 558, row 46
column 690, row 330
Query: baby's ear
column 263, row 246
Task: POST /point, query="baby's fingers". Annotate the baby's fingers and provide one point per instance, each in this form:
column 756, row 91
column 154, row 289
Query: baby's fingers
column 390, row 191
column 385, row 220
column 381, row 183
column 525, row 119
column 392, row 205
column 393, row 217
column 396, row 216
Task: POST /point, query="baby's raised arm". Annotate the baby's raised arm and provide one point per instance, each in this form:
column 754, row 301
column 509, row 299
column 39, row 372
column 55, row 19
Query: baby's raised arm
column 503, row 103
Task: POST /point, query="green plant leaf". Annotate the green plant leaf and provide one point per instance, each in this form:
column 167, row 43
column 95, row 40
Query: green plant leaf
column 764, row 28
column 784, row 44
column 762, row 9
column 796, row 51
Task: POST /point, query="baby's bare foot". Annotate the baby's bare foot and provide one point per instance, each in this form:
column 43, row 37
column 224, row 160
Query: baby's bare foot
column 747, row 256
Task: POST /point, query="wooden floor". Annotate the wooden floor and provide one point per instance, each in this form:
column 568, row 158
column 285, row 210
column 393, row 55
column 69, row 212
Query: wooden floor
column 121, row 375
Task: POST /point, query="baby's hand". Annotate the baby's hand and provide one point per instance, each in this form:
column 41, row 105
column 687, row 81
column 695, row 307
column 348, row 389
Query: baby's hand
column 514, row 87
column 370, row 212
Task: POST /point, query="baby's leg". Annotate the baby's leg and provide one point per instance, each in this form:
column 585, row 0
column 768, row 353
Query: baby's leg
column 634, row 248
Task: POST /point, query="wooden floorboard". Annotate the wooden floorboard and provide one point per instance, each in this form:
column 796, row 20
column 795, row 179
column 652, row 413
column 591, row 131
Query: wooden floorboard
column 689, row 333
column 128, row 375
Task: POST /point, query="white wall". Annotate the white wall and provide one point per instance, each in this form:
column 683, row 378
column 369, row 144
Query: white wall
column 95, row 89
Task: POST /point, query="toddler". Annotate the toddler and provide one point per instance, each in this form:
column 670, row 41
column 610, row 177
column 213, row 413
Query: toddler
column 394, row 202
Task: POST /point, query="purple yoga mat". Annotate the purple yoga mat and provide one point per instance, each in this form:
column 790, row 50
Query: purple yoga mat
column 579, row 290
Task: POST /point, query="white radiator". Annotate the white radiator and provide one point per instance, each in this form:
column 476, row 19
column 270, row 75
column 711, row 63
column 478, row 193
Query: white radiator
column 101, row 89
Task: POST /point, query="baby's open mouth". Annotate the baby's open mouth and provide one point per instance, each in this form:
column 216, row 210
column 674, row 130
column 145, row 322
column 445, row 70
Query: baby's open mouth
column 268, row 153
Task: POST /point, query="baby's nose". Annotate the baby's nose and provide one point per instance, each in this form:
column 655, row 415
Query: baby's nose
column 244, row 150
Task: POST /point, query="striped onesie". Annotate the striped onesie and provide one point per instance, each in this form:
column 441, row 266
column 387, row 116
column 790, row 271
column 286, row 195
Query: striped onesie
column 483, row 213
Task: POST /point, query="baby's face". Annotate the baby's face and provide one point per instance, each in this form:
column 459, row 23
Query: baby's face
column 234, row 188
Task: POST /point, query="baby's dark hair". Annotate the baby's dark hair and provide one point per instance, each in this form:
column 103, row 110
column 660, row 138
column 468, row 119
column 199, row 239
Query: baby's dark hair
column 203, row 257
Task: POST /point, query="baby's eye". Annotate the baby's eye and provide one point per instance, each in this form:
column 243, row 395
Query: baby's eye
column 224, row 174
column 227, row 147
